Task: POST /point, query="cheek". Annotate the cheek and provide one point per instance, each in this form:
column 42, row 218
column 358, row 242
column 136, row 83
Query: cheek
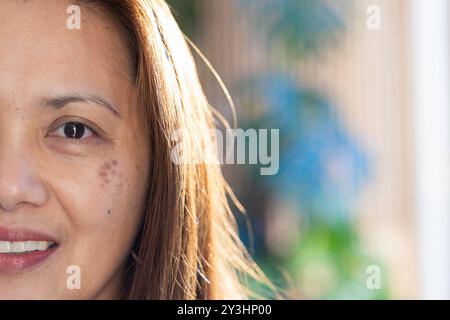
column 103, row 207
column 104, row 204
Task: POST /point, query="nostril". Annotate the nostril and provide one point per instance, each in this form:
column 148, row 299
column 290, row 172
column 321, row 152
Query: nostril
column 5, row 206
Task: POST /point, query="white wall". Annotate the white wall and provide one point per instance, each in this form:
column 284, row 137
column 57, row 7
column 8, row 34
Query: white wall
column 431, row 85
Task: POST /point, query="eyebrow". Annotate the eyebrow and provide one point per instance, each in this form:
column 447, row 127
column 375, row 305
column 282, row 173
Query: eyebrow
column 61, row 101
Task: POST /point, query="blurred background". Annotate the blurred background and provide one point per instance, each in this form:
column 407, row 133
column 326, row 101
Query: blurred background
column 359, row 91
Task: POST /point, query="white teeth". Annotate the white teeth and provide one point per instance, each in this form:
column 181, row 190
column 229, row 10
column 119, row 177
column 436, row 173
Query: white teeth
column 5, row 246
column 18, row 246
column 43, row 245
column 24, row 246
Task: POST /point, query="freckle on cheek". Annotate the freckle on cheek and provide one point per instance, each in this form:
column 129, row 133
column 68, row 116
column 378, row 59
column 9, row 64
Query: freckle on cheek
column 108, row 172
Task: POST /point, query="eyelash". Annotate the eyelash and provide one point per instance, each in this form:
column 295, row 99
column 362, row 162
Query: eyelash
column 60, row 130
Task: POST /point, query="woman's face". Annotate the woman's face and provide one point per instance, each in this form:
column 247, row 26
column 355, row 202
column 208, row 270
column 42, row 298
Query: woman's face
column 73, row 155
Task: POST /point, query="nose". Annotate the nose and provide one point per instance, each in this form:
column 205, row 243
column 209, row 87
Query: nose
column 20, row 184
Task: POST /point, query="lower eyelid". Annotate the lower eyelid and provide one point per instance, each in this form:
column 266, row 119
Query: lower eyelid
column 92, row 140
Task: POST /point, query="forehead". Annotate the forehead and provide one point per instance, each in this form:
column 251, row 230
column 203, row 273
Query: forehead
column 39, row 52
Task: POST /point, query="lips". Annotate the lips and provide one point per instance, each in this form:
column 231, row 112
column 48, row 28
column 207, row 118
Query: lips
column 23, row 249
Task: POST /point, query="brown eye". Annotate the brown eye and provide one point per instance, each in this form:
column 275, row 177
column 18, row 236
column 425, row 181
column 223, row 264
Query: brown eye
column 75, row 130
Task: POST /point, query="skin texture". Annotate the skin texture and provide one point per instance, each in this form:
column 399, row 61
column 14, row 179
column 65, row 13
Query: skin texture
column 89, row 193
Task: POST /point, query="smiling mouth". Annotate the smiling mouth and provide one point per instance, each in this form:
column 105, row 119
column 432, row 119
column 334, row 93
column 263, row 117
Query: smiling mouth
column 24, row 249
column 21, row 247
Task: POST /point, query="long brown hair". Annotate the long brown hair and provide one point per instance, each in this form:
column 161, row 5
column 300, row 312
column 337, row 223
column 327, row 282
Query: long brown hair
column 188, row 247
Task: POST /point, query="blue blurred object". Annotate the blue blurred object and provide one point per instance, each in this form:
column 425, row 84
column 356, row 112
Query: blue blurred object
column 321, row 163
column 321, row 166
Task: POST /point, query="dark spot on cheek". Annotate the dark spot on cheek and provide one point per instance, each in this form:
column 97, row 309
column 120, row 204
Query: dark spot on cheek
column 109, row 211
column 108, row 172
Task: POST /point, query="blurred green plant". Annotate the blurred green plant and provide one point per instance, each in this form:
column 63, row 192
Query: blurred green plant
column 328, row 262
column 302, row 27
column 186, row 14
column 331, row 263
